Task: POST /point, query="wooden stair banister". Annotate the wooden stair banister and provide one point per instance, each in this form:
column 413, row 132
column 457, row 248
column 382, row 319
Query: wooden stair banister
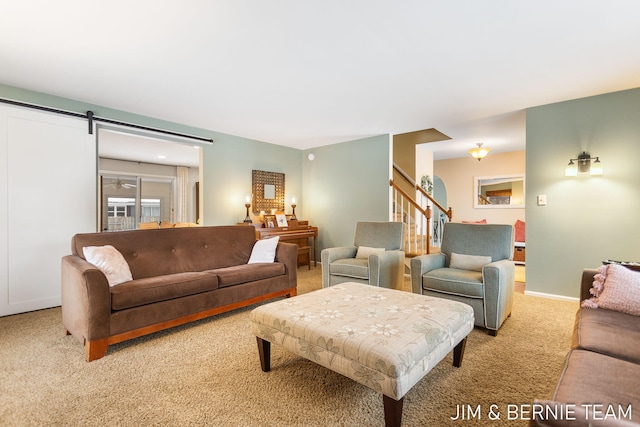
column 418, row 220
column 411, row 221
column 447, row 212
column 426, row 212
column 406, row 177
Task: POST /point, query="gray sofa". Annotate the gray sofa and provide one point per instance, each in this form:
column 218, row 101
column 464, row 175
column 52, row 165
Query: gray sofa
column 602, row 368
column 179, row 275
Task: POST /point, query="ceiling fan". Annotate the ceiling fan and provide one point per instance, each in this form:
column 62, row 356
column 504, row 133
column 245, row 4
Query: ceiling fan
column 118, row 184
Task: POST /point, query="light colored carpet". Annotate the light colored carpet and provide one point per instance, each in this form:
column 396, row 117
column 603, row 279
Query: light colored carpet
column 208, row 373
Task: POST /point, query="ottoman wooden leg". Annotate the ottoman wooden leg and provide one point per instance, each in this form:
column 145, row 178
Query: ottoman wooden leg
column 458, row 353
column 264, row 349
column 392, row 411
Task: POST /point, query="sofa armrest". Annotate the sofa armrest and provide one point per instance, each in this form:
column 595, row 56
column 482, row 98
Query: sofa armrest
column 287, row 253
column 86, row 299
column 586, row 283
column 386, row 269
column 328, row 255
column 421, row 265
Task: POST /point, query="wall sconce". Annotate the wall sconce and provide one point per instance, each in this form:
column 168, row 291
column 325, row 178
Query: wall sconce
column 293, row 206
column 480, row 152
column 247, row 204
column 584, row 165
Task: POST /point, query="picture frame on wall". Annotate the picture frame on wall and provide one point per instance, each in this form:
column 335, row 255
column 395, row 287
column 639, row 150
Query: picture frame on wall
column 268, row 191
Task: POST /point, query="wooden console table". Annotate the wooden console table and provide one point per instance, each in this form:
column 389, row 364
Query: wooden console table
column 299, row 235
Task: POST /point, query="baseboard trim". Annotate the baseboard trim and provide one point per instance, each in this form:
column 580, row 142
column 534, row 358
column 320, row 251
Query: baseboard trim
column 551, row 296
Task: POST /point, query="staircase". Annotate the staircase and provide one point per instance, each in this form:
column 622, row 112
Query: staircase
column 422, row 234
column 415, row 242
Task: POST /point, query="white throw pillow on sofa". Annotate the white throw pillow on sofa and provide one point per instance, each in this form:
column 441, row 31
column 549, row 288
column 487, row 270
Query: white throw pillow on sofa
column 110, row 261
column 264, row 250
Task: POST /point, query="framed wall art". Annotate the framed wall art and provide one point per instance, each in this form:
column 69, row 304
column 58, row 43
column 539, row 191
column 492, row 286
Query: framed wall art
column 268, row 191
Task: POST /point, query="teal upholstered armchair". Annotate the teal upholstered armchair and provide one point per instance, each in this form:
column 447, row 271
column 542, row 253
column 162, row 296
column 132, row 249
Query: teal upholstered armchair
column 475, row 267
column 376, row 257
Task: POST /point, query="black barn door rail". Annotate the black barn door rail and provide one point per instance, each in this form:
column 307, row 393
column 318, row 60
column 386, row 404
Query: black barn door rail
column 92, row 118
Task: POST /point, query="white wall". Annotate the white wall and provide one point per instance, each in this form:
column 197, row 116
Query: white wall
column 424, row 162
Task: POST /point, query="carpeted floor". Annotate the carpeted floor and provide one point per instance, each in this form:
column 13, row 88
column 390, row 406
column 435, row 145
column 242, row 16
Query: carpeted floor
column 208, row 373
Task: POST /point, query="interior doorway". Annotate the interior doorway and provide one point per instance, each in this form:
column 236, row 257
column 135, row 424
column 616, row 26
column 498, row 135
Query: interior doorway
column 146, row 179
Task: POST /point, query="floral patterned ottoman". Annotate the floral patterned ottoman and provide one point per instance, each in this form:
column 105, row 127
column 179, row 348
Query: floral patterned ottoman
column 385, row 339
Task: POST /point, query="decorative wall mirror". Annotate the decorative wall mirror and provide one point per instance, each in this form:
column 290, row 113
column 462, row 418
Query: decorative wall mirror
column 498, row 192
column 268, row 191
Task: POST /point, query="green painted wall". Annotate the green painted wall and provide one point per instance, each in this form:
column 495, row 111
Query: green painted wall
column 346, row 183
column 586, row 219
column 227, row 176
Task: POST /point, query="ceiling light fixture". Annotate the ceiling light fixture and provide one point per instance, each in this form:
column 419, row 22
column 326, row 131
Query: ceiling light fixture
column 480, row 152
column 584, row 165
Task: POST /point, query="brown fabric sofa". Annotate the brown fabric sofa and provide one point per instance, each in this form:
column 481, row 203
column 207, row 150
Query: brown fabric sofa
column 602, row 369
column 179, row 275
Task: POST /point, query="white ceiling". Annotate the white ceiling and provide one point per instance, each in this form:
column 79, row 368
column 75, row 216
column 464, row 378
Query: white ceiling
column 306, row 73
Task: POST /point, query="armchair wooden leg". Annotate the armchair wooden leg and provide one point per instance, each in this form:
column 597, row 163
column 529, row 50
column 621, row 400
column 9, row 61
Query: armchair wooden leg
column 493, row 332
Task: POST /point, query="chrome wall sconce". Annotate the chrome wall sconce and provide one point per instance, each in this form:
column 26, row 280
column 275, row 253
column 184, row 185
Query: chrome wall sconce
column 584, row 165
column 480, row 152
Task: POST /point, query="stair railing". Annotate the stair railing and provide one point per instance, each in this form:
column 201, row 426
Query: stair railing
column 417, row 221
column 417, row 218
column 442, row 215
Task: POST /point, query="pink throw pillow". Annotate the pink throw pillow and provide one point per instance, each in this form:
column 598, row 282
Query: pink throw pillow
column 520, row 234
column 615, row 287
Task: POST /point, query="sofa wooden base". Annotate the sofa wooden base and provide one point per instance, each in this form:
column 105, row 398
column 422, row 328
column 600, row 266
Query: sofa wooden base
column 96, row 349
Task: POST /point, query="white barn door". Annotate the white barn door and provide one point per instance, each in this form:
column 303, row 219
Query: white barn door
column 48, row 171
